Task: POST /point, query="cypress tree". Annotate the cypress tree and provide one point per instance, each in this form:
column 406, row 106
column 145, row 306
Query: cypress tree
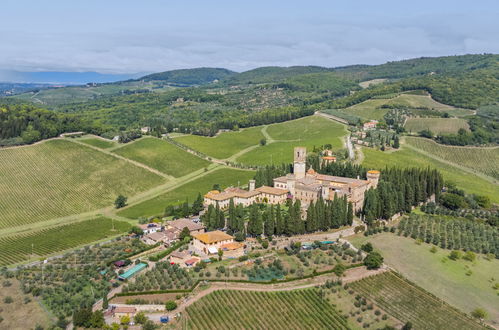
column 350, row 214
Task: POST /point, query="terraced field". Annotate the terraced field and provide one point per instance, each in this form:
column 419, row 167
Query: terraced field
column 225, row 144
column 58, row 178
column 406, row 157
column 484, row 160
column 309, row 132
column 300, row 309
column 436, row 125
column 156, row 206
column 408, row 302
column 18, row 248
column 162, row 156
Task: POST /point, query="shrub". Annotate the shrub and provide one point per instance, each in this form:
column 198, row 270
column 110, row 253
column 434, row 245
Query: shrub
column 170, row 305
column 455, row 255
column 8, row 300
column 374, row 260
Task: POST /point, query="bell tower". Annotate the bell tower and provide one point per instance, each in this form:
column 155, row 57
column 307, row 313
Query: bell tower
column 300, row 160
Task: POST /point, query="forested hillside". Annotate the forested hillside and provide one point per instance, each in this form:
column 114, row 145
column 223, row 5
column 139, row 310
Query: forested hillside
column 420, row 66
column 266, row 95
column 189, row 77
column 20, row 124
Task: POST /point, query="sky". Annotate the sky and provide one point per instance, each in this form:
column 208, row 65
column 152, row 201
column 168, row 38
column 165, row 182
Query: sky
column 123, row 37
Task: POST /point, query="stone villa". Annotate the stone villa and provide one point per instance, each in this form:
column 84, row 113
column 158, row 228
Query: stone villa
column 308, row 186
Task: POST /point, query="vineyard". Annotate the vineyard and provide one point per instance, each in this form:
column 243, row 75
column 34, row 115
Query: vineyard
column 163, row 156
column 408, row 302
column 59, row 178
column 436, row 125
column 156, row 206
column 453, row 234
column 300, row 309
column 484, row 160
column 308, row 132
column 225, row 144
column 17, row 248
column 98, row 142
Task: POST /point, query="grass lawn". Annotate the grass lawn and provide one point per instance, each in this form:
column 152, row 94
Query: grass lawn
column 99, row 143
column 225, row 144
column 435, row 273
column 18, row 248
column 408, row 158
column 156, row 206
column 309, row 132
column 18, row 314
column 59, row 178
column 436, row 125
column 163, row 156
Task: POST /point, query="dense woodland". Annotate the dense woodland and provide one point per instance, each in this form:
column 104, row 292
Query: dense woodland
column 20, row 124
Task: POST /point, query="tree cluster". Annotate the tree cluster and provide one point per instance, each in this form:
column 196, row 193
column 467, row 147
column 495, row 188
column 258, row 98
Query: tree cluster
column 399, row 190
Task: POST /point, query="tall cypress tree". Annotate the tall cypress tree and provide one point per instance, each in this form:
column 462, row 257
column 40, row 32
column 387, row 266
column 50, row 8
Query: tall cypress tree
column 350, row 214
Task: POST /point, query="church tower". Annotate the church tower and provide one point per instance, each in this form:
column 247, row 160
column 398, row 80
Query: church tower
column 300, row 161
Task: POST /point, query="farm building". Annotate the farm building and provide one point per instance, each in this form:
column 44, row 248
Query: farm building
column 262, row 194
column 180, row 224
column 210, row 242
column 165, row 237
column 120, row 311
column 149, row 228
column 370, row 124
column 309, row 186
column 177, row 257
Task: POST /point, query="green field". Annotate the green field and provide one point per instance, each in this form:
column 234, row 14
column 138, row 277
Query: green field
column 436, row 125
column 407, row 302
column 406, row 157
column 484, row 160
column 370, row 109
column 440, row 276
column 98, row 142
column 309, row 132
column 162, row 155
column 40, row 243
column 156, row 206
column 59, row 178
column 225, row 144
column 300, row 309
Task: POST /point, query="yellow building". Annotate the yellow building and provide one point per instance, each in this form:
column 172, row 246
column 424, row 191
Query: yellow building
column 264, row 194
column 210, row 242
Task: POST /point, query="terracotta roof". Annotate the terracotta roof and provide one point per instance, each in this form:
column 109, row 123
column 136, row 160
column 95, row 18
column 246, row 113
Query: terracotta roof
column 373, row 172
column 125, row 309
column 231, row 246
column 271, row 190
column 329, row 157
column 182, row 223
column 213, row 237
column 157, row 236
column 311, row 171
column 180, row 255
column 192, row 261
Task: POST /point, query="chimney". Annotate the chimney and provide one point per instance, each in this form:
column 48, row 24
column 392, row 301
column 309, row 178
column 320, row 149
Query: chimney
column 251, row 185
